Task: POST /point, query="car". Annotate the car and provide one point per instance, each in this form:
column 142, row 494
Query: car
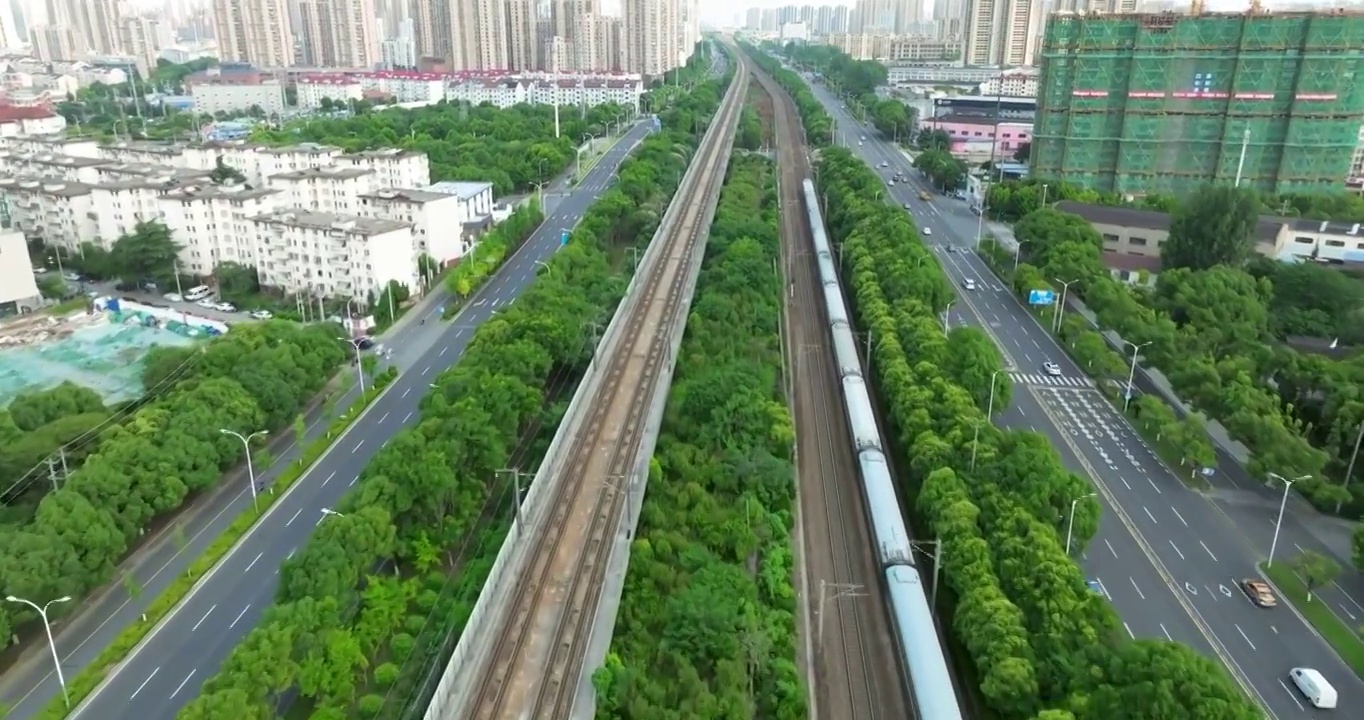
column 951, row 248
column 1259, row 592
column 261, row 314
column 1051, row 368
column 907, row 207
column 925, row 196
column 885, row 164
column 226, row 307
column 864, row 138
column 365, row 342
column 890, row 183
column 969, row 283
column 928, row 232
column 859, row 143
column 72, row 277
column 208, row 304
column 173, row 297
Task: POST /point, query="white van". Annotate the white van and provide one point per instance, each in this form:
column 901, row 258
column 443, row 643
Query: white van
column 197, row 293
column 1314, row 687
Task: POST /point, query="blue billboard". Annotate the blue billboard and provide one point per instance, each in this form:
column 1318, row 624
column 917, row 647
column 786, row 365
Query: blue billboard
column 1041, row 297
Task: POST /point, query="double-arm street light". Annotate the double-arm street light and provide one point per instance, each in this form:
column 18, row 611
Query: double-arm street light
column 42, row 612
column 359, row 366
column 250, row 469
column 1274, row 544
column 1132, row 371
column 1061, row 306
column 990, row 407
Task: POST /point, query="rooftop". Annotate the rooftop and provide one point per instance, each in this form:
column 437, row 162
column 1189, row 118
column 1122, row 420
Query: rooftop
column 10, row 113
column 218, row 192
column 348, row 224
column 465, row 190
column 66, row 161
column 326, row 171
column 406, row 195
column 45, row 186
column 1266, row 230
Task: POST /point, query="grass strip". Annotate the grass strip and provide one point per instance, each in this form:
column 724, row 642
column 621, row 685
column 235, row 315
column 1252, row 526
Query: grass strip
column 84, row 683
column 1346, row 640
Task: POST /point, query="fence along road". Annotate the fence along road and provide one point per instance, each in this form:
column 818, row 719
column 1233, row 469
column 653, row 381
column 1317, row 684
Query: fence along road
column 532, row 654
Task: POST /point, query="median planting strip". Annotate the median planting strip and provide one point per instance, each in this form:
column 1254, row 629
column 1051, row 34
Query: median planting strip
column 1337, row 632
column 86, row 681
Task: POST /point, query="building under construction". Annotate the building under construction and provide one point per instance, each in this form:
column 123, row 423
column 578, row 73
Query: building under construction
column 1141, row 103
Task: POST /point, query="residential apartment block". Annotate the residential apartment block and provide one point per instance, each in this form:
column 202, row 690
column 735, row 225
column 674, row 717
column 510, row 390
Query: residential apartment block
column 308, row 218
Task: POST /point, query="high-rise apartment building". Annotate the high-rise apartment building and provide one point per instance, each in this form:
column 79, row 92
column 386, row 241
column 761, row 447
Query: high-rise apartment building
column 431, row 24
column 339, row 33
column 254, row 31
column 56, row 42
column 1002, row 32
column 522, row 51
column 400, row 52
column 650, row 36
column 143, row 38
column 949, row 19
column 596, row 44
column 95, row 22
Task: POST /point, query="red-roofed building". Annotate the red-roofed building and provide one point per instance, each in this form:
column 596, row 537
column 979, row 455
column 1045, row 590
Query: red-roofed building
column 29, row 120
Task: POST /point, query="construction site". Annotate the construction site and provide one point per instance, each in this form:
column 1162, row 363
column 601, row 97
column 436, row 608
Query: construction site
column 1137, row 104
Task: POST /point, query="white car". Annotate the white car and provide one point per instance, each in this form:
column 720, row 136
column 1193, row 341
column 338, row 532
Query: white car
column 885, row 164
column 225, row 307
column 261, row 314
column 1051, row 368
column 208, row 304
column 970, row 284
column 173, row 297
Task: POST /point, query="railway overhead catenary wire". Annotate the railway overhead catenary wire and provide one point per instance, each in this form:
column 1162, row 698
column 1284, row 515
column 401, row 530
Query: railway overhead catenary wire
column 536, row 659
column 854, row 656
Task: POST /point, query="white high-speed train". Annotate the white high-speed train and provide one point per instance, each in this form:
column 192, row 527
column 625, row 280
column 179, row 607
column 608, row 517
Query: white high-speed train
column 925, row 660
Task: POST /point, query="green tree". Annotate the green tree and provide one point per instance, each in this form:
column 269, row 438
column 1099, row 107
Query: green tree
column 1315, row 570
column 1357, row 547
column 148, row 251
column 1213, row 226
column 945, row 171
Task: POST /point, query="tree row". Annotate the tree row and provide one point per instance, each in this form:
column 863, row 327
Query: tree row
column 706, row 627
column 819, row 127
column 860, row 82
column 368, row 611
column 1038, row 643
column 148, row 463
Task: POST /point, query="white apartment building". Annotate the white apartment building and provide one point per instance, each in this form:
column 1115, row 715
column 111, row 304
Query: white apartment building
column 67, row 213
column 18, row 286
column 334, row 255
column 649, row 30
column 254, row 31
column 475, row 198
column 337, row 88
column 213, row 224
column 51, row 145
column 229, row 97
column 258, row 162
column 19, row 120
column 392, row 167
column 508, row 91
column 328, row 189
column 437, row 220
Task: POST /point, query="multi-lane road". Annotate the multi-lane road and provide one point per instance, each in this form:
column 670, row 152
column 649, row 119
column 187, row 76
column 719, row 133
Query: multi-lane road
column 165, row 672
column 1168, row 557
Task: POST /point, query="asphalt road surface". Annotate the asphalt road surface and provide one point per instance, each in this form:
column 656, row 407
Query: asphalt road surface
column 168, row 669
column 1169, row 558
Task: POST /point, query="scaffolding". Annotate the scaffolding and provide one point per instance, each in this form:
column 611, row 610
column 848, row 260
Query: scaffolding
column 1139, row 104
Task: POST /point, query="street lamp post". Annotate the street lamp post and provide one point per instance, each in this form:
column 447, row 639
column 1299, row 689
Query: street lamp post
column 1274, row 544
column 250, row 469
column 47, row 626
column 990, row 407
column 540, row 193
column 1070, row 526
column 359, row 365
column 1132, row 371
column 975, row 444
column 1061, row 306
column 544, row 265
column 947, row 318
column 328, row 512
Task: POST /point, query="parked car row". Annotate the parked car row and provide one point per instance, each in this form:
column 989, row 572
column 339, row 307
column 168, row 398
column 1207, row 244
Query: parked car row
column 206, row 301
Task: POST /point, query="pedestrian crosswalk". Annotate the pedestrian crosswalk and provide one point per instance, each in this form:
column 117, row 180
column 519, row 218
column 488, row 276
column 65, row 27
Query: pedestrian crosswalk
column 1052, row 380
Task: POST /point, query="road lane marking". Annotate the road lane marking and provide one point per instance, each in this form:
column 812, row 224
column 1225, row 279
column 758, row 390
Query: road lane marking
column 442, row 350
column 202, row 619
column 1181, row 517
column 1176, row 547
column 239, row 616
column 407, row 417
column 253, row 562
column 181, row 686
column 292, row 519
column 1347, row 611
column 1153, row 485
column 1124, row 482
column 1244, row 636
column 1148, row 514
column 406, row 391
column 426, row 369
column 1129, row 631
column 1167, row 632
column 329, row 478
column 1140, row 594
column 144, row 683
column 1110, row 548
column 1292, row 694
column 382, row 419
column 357, row 446
column 352, row 481
column 1205, row 547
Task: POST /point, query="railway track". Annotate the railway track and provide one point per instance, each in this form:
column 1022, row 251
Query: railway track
column 855, row 660
column 536, row 661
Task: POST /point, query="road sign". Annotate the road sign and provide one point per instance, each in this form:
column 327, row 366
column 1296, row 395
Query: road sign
column 563, row 238
column 1041, row 297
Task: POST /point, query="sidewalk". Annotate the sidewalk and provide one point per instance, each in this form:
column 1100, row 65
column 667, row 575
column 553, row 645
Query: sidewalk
column 176, row 541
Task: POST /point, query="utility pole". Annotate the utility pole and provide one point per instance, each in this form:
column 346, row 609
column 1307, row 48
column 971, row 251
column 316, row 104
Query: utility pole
column 937, row 567
column 516, row 474
column 835, row 592
column 1350, row 470
column 52, row 471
